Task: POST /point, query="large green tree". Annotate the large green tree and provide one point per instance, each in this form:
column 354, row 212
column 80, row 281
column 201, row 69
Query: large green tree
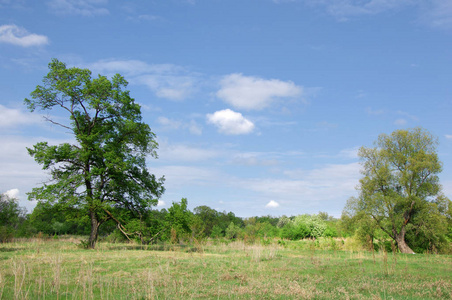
column 105, row 165
column 400, row 183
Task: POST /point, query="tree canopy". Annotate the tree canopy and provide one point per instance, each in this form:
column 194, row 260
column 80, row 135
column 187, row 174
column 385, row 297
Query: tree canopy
column 105, row 165
column 400, row 189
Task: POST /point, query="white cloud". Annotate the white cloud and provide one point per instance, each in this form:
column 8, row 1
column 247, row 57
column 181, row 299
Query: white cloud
column 296, row 191
column 165, row 80
column 180, row 152
column 272, row 204
column 447, row 188
column 349, row 153
column 161, row 203
column 407, row 115
column 342, row 9
column 323, row 184
column 375, row 112
column 170, row 124
column 436, row 13
column 78, row 7
column 19, row 170
column 12, row 194
column 12, row 34
column 400, row 122
column 448, row 136
column 230, row 122
column 255, row 159
column 172, row 87
column 247, row 92
column 194, row 128
column 177, row 177
column 10, row 117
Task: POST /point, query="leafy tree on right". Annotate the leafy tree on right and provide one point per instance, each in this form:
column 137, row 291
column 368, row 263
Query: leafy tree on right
column 400, row 189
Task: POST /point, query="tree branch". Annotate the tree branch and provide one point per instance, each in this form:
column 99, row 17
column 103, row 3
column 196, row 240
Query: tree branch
column 56, row 123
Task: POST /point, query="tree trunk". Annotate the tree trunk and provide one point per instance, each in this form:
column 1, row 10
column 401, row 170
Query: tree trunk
column 94, row 230
column 401, row 244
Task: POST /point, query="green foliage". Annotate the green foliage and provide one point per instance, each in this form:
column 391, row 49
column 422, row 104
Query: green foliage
column 217, row 232
column 295, row 232
column 57, row 219
column 12, row 216
column 304, row 226
column 105, row 168
column 401, row 185
column 232, row 232
column 209, row 218
column 282, row 221
column 178, row 218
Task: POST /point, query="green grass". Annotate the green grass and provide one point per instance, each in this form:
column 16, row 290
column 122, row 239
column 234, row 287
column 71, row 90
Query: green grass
column 59, row 269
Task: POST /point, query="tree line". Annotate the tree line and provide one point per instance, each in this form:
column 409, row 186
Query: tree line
column 101, row 181
column 178, row 224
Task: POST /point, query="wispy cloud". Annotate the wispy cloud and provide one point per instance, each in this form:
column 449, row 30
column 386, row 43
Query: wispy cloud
column 184, row 153
column 87, row 8
column 292, row 191
column 308, row 190
column 165, row 80
column 343, row 9
column 170, row 124
column 230, row 122
column 448, row 136
column 11, row 117
column 436, row 13
column 400, row 122
column 15, row 35
column 247, row 92
column 19, row 170
column 255, row 159
column 375, row 112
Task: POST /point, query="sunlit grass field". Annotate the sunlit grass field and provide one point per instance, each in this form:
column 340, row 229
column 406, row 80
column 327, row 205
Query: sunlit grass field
column 61, row 269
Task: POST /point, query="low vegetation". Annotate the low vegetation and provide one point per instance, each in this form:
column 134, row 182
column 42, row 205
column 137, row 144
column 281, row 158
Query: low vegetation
column 214, row 269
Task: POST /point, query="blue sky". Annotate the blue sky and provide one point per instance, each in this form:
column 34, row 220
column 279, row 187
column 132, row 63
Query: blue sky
column 259, row 106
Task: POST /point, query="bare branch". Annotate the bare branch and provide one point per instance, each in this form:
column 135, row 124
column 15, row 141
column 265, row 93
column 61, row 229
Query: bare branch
column 56, row 123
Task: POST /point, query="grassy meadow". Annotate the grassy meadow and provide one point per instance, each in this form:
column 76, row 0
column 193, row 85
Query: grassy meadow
column 61, row 269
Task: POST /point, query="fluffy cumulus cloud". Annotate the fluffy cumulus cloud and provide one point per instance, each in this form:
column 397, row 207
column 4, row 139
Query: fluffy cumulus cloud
column 15, row 35
column 247, row 92
column 230, row 122
column 78, row 7
column 165, row 80
column 13, row 193
column 272, row 204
